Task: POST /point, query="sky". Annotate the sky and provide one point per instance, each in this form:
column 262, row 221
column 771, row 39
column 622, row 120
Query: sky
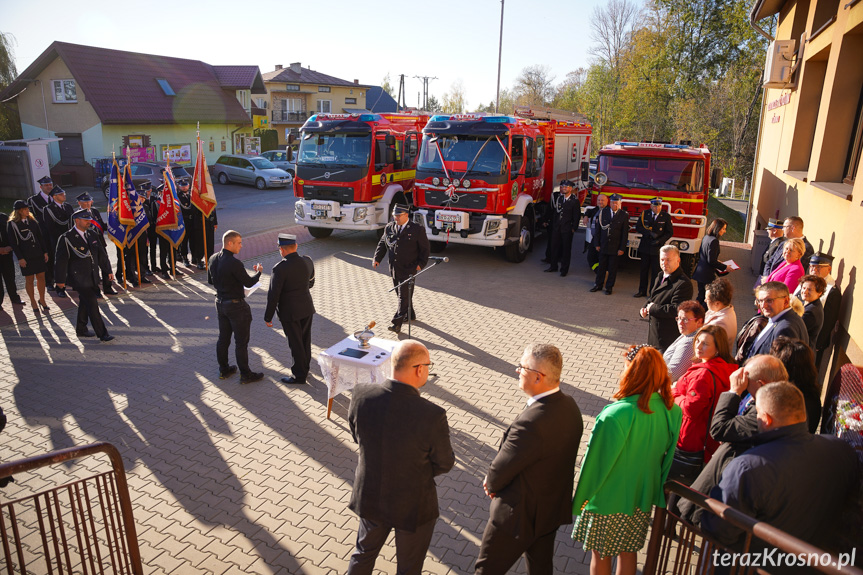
column 452, row 40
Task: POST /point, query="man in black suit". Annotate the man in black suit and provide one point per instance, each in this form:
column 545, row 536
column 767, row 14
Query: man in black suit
column 792, row 228
column 78, row 258
column 151, row 208
column 7, row 265
column 775, row 303
column 670, row 289
column 58, row 220
column 404, row 444
column 774, row 232
column 821, row 265
column 567, row 217
column 609, row 240
column 289, row 293
column 530, row 480
column 85, row 202
column 592, row 216
column 407, row 248
column 655, row 228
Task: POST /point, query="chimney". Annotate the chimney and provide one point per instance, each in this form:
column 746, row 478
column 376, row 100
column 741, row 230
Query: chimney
column 278, row 66
column 296, row 68
column 356, row 81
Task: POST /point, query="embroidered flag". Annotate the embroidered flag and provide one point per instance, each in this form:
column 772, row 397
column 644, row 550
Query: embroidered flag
column 141, row 222
column 125, row 210
column 169, row 222
column 115, row 230
column 203, row 195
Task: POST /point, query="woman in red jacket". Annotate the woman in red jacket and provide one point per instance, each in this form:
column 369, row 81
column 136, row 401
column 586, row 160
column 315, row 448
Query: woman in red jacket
column 698, row 389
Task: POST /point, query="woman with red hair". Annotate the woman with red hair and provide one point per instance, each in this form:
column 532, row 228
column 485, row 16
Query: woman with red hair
column 626, row 464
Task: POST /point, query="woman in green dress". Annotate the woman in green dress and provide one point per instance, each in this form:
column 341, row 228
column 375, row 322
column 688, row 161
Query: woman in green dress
column 626, row 464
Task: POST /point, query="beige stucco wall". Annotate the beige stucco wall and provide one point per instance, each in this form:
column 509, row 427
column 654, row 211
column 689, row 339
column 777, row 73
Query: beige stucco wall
column 63, row 118
column 175, row 134
column 803, row 145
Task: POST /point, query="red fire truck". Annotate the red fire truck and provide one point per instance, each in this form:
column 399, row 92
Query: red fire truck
column 678, row 173
column 351, row 169
column 487, row 179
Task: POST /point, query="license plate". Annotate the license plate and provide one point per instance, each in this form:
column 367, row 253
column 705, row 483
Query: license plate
column 321, row 207
column 634, row 243
column 452, row 218
column 321, row 213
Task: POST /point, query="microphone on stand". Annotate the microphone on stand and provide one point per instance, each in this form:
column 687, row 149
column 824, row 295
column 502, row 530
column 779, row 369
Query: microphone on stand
column 439, row 259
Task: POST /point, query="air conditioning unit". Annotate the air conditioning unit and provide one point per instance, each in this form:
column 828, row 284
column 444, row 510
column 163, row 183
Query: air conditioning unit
column 779, row 65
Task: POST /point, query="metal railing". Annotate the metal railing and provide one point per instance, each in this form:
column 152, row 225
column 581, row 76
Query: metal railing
column 679, row 547
column 286, row 116
column 84, row 526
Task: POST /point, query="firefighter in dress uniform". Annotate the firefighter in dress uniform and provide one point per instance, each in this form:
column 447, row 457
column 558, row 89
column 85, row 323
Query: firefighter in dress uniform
column 58, row 219
column 567, row 217
column 655, row 228
column 78, row 259
column 407, row 248
column 609, row 240
column 37, row 203
column 85, row 202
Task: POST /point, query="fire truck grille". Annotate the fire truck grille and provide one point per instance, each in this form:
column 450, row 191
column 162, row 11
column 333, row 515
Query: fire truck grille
column 465, row 201
column 328, row 193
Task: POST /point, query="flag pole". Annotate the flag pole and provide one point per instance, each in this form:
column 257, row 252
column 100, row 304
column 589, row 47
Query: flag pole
column 173, row 265
column 123, row 264
column 138, row 264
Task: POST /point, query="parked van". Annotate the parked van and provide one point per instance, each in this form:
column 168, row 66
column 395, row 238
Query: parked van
column 252, row 170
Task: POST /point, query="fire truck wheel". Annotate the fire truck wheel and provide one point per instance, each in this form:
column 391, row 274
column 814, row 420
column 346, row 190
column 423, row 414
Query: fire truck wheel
column 688, row 263
column 320, row 232
column 437, row 247
column 517, row 250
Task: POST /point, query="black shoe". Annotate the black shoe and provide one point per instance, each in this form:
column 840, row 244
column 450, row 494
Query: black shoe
column 293, row 381
column 549, row 270
column 640, row 294
column 251, row 377
column 595, row 288
column 563, row 274
column 109, row 291
column 107, row 337
column 545, row 261
column 144, row 280
column 87, row 333
column 148, row 273
column 61, row 292
column 200, row 265
column 395, row 328
column 607, row 291
column 17, row 301
column 99, row 295
column 166, row 275
column 226, row 373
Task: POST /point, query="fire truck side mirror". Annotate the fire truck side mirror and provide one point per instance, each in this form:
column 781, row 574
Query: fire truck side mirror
column 715, row 178
column 291, row 138
column 391, row 156
column 585, row 171
column 390, row 140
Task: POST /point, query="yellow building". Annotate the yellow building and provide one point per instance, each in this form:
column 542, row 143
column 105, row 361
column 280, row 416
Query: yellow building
column 295, row 93
column 811, row 141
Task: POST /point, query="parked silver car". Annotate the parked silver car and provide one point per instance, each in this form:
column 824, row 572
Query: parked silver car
column 284, row 159
column 252, row 170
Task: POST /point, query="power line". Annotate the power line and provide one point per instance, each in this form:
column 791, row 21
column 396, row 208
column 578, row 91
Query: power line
column 425, row 80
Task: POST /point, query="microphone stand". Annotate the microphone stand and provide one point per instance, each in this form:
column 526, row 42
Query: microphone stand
column 411, row 281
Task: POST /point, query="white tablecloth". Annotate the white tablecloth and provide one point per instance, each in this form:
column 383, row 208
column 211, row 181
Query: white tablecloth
column 342, row 373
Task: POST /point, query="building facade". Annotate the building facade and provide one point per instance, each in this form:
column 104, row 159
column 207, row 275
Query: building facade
column 811, row 141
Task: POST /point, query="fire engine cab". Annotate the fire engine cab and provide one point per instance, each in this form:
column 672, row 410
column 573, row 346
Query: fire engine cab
column 486, row 179
column 352, row 168
column 678, row 173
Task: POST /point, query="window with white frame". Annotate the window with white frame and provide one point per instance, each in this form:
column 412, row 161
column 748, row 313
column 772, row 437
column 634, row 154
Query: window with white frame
column 324, row 89
column 350, row 100
column 65, row 92
column 292, row 87
column 291, row 104
column 325, row 106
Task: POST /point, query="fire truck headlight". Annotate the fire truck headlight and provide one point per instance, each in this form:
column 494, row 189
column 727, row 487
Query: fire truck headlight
column 683, row 246
column 446, row 181
column 465, row 183
column 360, row 214
column 455, row 182
column 299, row 212
column 492, row 227
column 436, row 181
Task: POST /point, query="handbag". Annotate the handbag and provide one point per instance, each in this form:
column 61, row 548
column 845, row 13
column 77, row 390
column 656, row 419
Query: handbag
column 686, row 465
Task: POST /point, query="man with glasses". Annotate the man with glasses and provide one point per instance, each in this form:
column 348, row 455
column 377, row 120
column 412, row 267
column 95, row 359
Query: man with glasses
column 670, row 289
column 821, row 265
column 774, row 301
column 404, row 443
column 679, row 355
column 530, row 480
column 792, row 228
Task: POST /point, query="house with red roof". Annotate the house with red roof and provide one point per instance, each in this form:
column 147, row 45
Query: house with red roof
column 101, row 101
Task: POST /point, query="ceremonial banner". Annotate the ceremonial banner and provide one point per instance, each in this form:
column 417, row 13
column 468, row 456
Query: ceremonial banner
column 203, row 195
column 169, row 222
column 115, row 230
column 125, row 210
column 141, row 222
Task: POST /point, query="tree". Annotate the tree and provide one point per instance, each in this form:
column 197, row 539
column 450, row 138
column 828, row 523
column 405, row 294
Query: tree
column 454, row 101
column 534, row 86
column 386, row 86
column 10, row 125
column 433, row 105
column 610, row 28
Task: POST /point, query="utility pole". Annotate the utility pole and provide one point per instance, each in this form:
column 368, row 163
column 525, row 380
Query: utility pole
column 426, row 80
column 499, row 54
column 401, row 103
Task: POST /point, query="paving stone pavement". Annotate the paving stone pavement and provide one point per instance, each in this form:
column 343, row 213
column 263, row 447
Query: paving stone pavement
column 228, row 478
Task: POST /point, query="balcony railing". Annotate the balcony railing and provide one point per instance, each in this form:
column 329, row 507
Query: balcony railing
column 287, row 116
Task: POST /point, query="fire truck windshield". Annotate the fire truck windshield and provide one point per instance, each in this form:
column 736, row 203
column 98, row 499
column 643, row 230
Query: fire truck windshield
column 335, row 150
column 650, row 173
column 463, row 155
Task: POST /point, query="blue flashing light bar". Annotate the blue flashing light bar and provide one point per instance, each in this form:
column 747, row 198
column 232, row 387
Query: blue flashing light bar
column 370, row 118
column 313, row 118
column 500, row 119
column 651, row 145
column 474, row 117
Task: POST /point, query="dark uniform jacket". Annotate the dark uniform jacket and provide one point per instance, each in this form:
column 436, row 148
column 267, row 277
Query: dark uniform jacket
column 788, row 324
column 405, row 250
column 77, row 262
column 58, row 220
column 611, row 232
column 567, row 213
column 151, row 208
column 831, row 304
column 655, row 230
column 289, row 289
column 775, row 244
column 533, row 471
column 404, row 444
column 666, row 296
column 708, row 261
column 37, row 208
column 4, row 219
column 97, row 229
column 813, row 319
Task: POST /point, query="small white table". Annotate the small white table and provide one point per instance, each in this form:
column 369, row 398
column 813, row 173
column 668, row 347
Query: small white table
column 342, row 372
